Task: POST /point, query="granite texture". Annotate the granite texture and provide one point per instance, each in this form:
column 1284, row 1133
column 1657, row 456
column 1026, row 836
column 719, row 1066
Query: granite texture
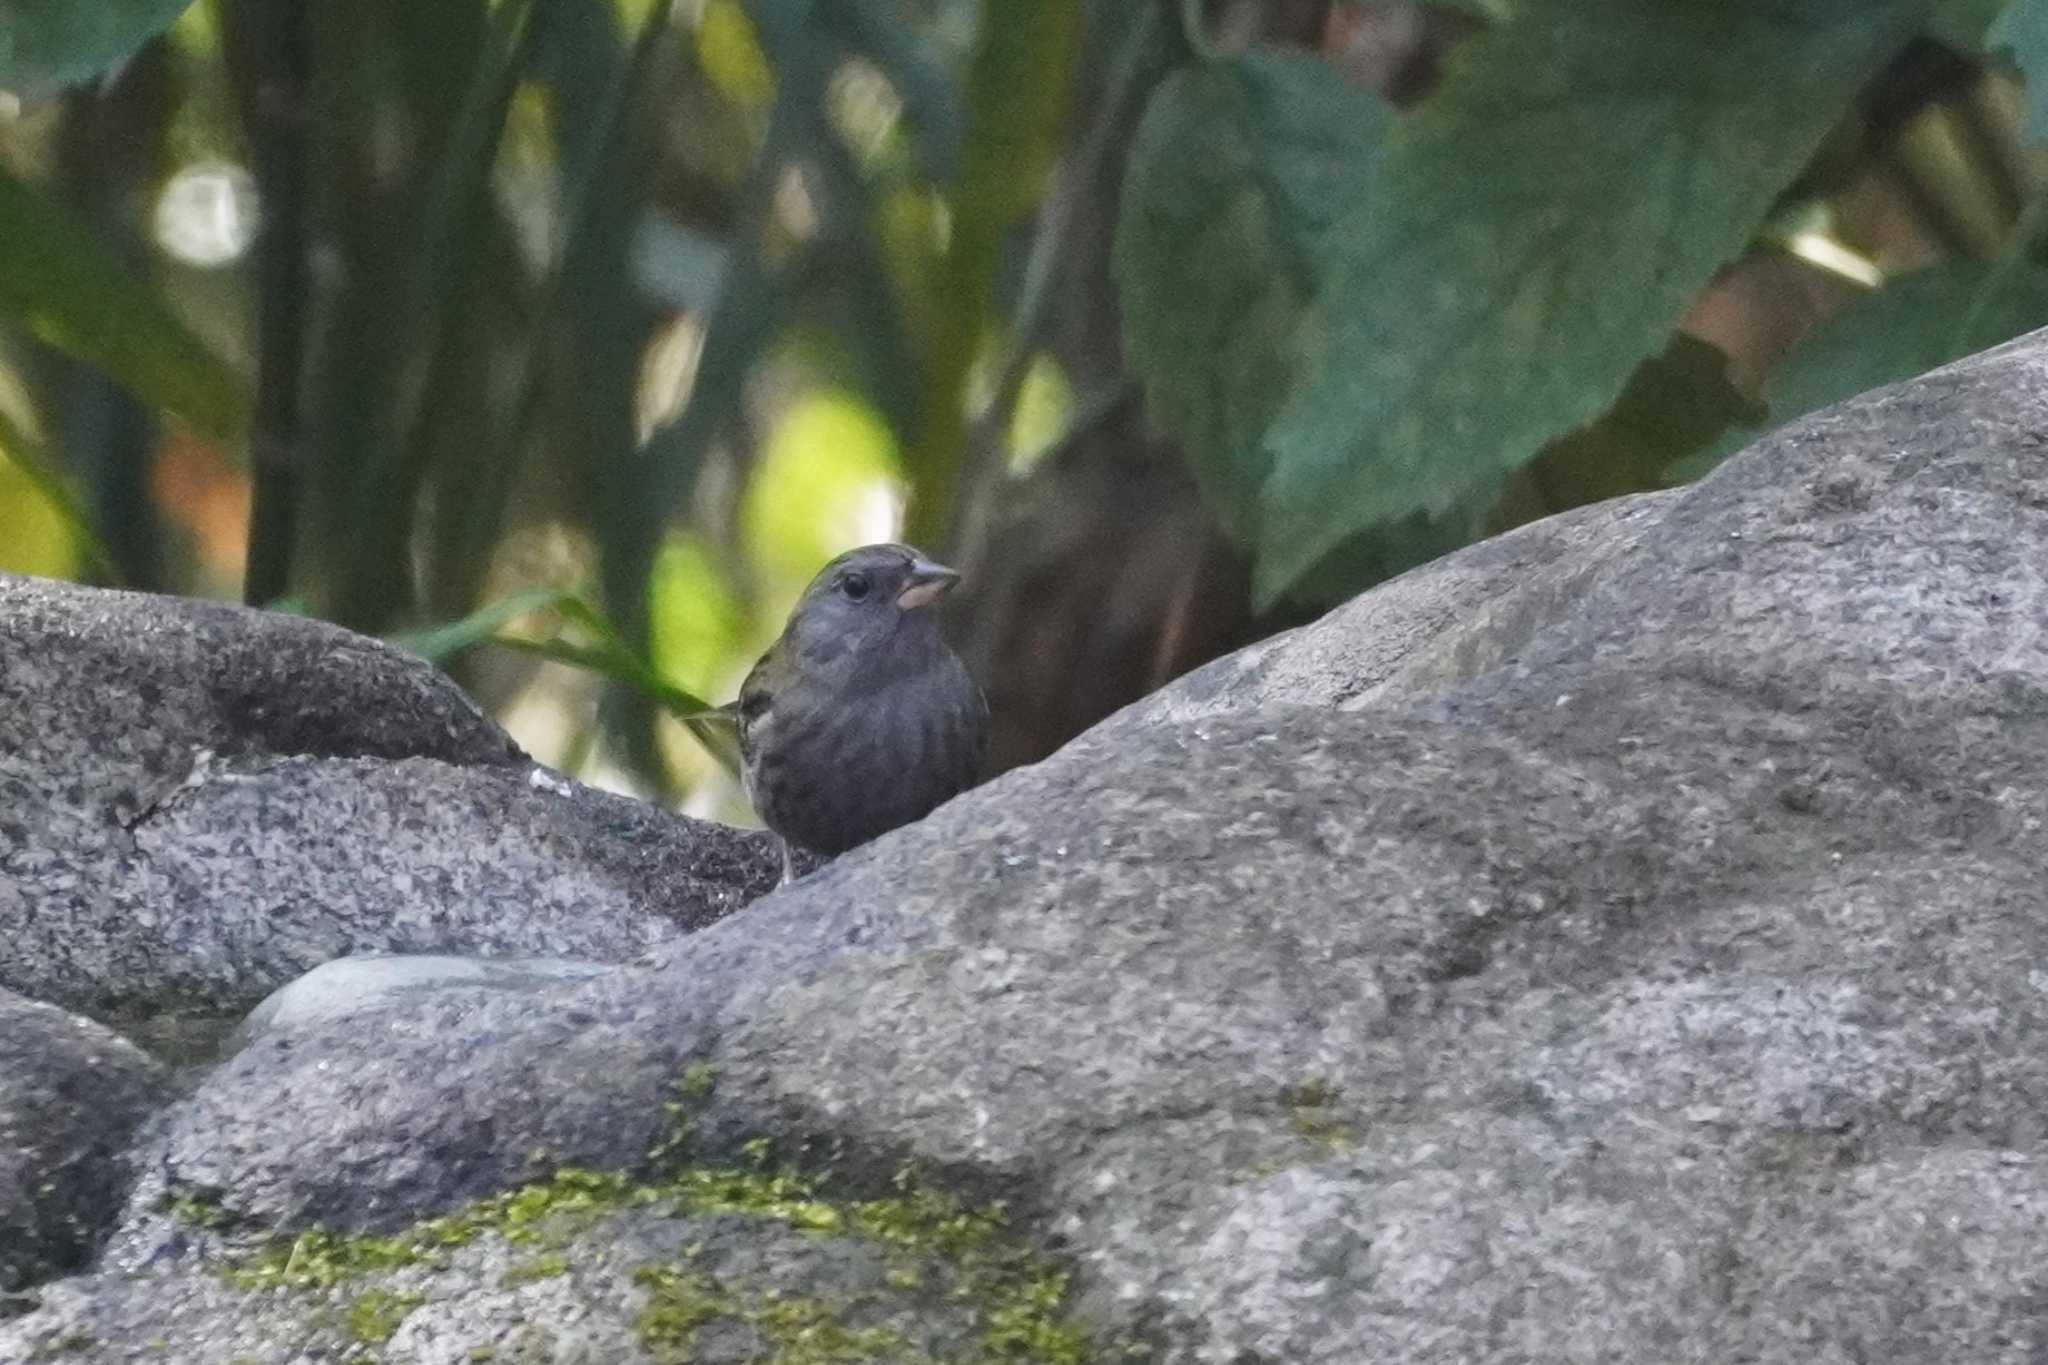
column 198, row 803
column 71, row 1096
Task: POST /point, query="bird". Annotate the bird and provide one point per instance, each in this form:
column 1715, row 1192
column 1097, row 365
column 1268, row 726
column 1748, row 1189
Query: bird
column 860, row 718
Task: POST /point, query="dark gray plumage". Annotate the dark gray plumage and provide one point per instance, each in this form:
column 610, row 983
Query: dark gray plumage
column 859, row 719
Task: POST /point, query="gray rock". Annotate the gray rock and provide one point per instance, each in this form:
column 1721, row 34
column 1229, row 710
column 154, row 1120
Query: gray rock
column 173, row 677
column 71, row 1093
column 1437, row 625
column 239, row 796
column 365, row 984
column 1652, row 972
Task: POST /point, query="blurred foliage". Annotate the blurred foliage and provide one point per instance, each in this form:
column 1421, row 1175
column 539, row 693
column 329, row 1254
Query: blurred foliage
column 1238, row 181
column 538, row 332
column 2019, row 31
column 60, row 284
column 1471, row 279
column 44, row 46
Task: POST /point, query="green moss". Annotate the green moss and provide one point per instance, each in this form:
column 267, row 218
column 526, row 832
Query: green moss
column 545, row 1266
column 935, row 1247
column 807, row 1331
column 376, row 1314
column 1025, row 1324
column 1308, row 1114
column 196, row 1211
column 316, row 1259
column 1015, row 1298
column 699, row 1080
column 1313, row 1093
column 678, row 1303
column 793, row 1329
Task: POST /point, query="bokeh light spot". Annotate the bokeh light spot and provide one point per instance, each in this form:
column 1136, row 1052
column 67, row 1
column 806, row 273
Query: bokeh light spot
column 827, row 480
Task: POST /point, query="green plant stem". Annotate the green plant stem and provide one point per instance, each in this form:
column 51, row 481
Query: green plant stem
column 1194, row 28
column 1054, row 246
column 1017, row 87
column 268, row 48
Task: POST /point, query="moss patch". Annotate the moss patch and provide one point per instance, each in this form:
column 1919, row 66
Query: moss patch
column 376, row 1314
column 790, row 1329
column 1309, row 1113
column 699, row 1079
column 546, row 1266
column 316, row 1259
column 966, row 1256
column 937, row 1250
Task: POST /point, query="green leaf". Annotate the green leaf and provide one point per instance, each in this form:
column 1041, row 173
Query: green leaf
column 602, row 651
column 36, row 468
column 1392, row 548
column 1914, row 324
column 73, row 293
column 439, row 644
column 2022, row 31
column 1964, row 24
column 27, row 455
column 49, row 43
column 1236, row 175
column 1535, row 230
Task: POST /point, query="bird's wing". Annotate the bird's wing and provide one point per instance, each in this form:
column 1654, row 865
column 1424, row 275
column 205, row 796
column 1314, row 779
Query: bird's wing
column 750, row 709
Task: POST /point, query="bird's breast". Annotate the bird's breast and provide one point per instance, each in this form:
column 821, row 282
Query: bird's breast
column 833, row 777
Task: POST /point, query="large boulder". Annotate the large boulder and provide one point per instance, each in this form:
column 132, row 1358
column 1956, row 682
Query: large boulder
column 198, row 803
column 1641, row 965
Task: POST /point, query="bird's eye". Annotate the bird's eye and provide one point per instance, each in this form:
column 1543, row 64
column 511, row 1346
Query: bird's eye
column 854, row 585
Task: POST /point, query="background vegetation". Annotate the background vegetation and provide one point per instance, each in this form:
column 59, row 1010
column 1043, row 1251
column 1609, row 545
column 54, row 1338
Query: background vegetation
column 594, row 326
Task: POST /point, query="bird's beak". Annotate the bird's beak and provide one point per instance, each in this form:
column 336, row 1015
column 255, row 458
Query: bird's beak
column 928, row 583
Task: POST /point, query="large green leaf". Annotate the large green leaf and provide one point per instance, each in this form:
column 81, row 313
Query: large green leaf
column 1235, row 177
column 1914, row 324
column 2022, row 30
column 1532, row 234
column 73, row 293
column 50, row 43
column 1965, row 24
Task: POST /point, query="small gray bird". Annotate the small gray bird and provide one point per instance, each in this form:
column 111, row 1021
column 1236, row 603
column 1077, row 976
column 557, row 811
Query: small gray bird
column 859, row 718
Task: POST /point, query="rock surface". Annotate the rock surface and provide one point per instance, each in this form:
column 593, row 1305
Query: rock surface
column 742, row 1269
column 234, row 797
column 1438, row 625
column 371, row 982
column 71, row 1094
column 1642, row 965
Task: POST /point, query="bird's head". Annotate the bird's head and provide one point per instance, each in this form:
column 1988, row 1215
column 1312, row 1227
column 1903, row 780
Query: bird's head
column 870, row 607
